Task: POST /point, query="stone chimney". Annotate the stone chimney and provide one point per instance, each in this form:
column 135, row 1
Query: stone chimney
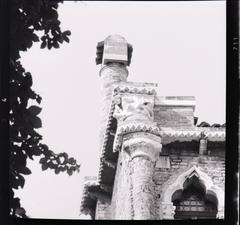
column 114, row 55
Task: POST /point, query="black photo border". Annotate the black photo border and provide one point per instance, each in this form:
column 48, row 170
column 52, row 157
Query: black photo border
column 232, row 127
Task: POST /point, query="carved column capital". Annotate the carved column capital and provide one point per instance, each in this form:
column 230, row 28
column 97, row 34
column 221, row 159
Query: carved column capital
column 142, row 144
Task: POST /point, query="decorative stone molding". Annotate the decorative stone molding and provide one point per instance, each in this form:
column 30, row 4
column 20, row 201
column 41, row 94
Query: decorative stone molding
column 134, row 114
column 142, row 144
column 133, row 127
column 132, row 107
column 131, row 89
column 177, row 184
column 170, row 135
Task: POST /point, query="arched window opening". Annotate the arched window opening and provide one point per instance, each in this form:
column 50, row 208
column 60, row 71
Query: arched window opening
column 193, row 202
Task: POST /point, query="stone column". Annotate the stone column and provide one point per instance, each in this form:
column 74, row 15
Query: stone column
column 139, row 138
column 112, row 54
column 144, row 149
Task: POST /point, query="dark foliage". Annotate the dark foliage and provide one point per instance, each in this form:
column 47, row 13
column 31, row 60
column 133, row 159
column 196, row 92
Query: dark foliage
column 30, row 21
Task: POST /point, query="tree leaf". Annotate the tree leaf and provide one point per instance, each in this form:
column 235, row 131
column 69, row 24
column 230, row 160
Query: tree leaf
column 28, row 80
column 21, row 180
column 25, row 171
column 44, row 147
column 35, row 38
column 44, row 44
column 42, row 160
column 71, row 161
column 36, row 150
column 70, row 172
column 38, row 99
column 65, row 38
column 20, row 211
column 57, row 170
column 44, row 166
column 49, row 44
column 67, row 32
column 60, row 39
column 36, row 122
column 55, row 44
column 34, row 110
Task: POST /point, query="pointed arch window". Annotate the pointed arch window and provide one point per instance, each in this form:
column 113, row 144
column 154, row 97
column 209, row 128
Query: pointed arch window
column 192, row 202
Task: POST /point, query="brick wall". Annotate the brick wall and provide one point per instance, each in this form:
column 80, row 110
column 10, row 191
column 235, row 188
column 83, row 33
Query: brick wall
column 175, row 116
column 213, row 165
column 166, row 171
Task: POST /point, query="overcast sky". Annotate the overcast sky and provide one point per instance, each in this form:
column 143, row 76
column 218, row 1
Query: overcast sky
column 179, row 45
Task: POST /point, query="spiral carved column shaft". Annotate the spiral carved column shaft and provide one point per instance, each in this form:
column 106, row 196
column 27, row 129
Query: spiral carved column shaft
column 143, row 149
column 110, row 74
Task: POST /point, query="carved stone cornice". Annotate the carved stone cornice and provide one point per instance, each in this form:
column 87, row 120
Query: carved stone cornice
column 170, row 135
column 142, row 144
column 134, row 113
column 133, row 127
column 131, row 89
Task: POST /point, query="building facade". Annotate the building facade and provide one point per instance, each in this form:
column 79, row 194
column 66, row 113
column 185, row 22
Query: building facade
column 156, row 163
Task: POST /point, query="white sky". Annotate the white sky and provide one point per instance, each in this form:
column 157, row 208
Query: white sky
column 180, row 45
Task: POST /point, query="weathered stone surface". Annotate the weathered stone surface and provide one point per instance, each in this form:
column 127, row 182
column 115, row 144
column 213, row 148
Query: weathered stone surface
column 115, row 50
column 122, row 198
column 148, row 124
column 141, row 144
column 174, row 116
column 135, row 107
column 109, row 75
